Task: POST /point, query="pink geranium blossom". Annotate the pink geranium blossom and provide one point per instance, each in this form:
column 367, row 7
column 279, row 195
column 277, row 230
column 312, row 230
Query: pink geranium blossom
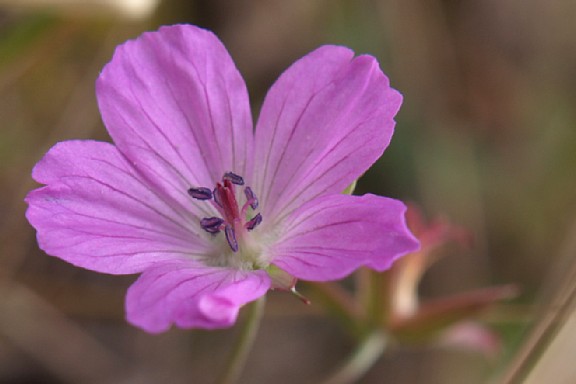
column 203, row 205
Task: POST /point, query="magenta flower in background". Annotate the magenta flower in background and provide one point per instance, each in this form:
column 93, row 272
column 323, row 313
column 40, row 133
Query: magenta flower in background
column 203, row 205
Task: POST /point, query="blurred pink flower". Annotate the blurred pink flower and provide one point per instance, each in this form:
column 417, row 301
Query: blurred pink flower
column 203, row 205
column 445, row 320
column 471, row 336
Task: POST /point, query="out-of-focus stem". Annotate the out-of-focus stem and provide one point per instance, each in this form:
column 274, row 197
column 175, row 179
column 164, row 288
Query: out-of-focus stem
column 361, row 360
column 244, row 343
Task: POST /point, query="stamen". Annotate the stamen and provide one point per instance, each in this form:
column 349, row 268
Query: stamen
column 232, row 217
column 254, row 222
column 302, row 298
column 216, row 195
column 200, row 193
column 234, row 178
column 231, row 238
column 211, row 224
column 251, row 197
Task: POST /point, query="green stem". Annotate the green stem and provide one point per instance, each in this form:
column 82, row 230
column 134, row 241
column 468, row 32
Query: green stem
column 244, row 343
column 361, row 360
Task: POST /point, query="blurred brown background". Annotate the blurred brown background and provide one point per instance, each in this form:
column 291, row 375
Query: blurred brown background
column 486, row 136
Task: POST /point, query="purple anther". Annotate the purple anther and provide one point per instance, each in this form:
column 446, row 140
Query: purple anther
column 254, row 222
column 234, row 178
column 231, row 238
column 200, row 193
column 251, row 197
column 211, row 224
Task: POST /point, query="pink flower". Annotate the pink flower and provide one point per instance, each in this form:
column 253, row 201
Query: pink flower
column 203, row 205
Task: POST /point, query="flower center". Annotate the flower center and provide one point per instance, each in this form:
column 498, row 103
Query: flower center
column 233, row 219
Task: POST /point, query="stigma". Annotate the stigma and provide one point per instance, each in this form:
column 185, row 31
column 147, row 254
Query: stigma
column 233, row 220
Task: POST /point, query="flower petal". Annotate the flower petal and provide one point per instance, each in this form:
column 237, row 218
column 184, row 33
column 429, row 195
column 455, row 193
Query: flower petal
column 331, row 236
column 176, row 106
column 325, row 121
column 96, row 212
column 190, row 295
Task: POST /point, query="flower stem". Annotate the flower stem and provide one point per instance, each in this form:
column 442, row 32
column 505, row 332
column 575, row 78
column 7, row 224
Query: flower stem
column 361, row 360
column 244, row 343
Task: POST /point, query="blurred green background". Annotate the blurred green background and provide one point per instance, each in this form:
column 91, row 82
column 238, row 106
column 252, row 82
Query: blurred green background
column 486, row 136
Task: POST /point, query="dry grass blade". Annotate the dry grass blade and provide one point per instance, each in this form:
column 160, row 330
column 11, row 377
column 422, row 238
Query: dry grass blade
column 543, row 356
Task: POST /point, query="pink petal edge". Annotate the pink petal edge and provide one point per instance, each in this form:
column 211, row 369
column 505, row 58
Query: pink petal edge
column 190, row 295
column 324, row 122
column 177, row 107
column 331, row 236
column 97, row 213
